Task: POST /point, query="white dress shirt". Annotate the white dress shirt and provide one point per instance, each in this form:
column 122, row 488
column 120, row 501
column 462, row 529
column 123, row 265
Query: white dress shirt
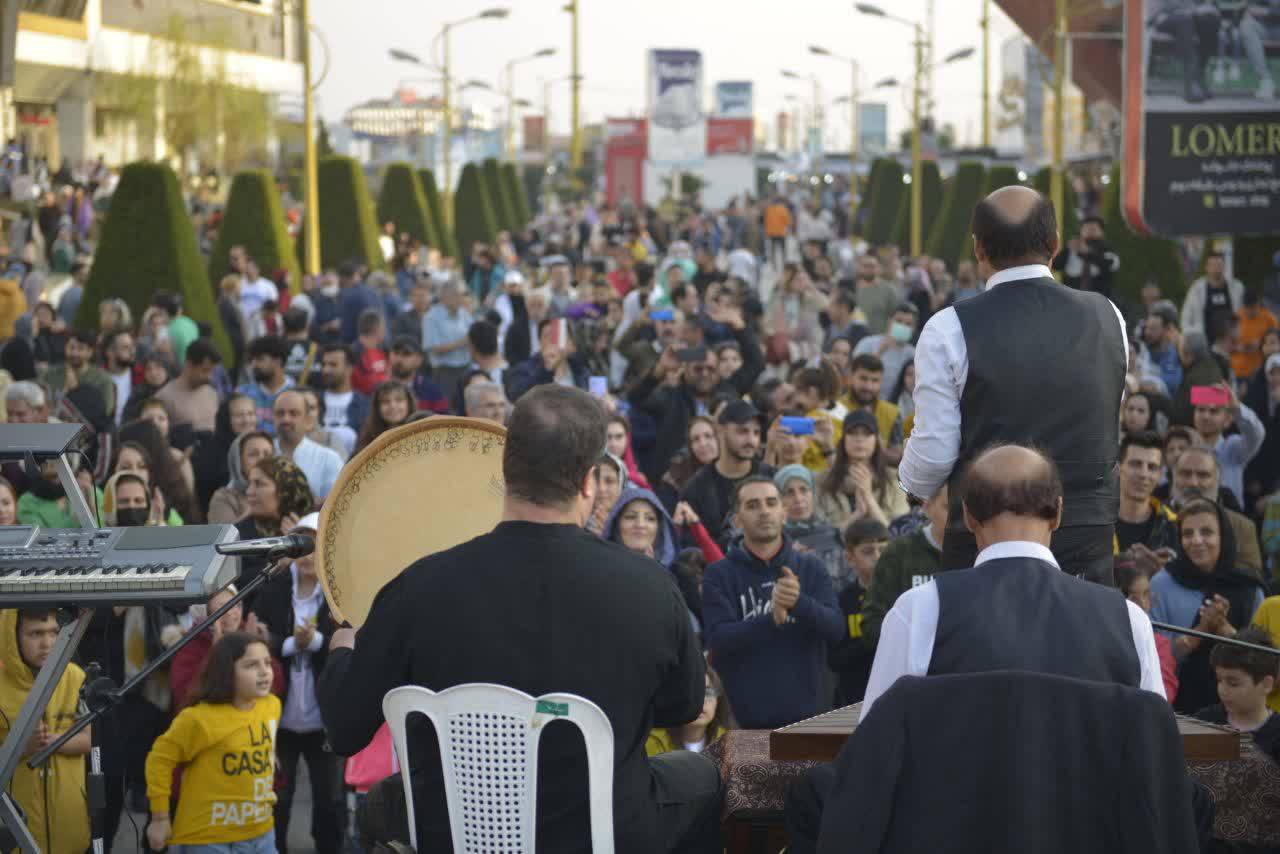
column 320, row 464
column 942, row 367
column 909, row 629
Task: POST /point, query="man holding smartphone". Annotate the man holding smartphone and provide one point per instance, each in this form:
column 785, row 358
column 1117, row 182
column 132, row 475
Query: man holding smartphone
column 1026, row 361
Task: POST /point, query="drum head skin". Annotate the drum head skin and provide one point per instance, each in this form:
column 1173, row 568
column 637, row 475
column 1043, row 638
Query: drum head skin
column 416, row 490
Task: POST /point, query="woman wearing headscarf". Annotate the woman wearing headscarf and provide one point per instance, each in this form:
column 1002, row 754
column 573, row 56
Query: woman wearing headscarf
column 230, row 503
column 1203, row 588
column 806, row 526
column 278, row 495
column 640, row 522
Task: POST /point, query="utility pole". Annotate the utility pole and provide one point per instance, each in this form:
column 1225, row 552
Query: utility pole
column 986, row 73
column 575, row 143
column 311, row 194
column 1057, row 190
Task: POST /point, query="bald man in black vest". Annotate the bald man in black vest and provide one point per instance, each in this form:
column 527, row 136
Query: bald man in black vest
column 1028, row 361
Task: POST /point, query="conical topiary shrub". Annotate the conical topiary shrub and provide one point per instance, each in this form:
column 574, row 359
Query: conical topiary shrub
column 254, row 219
column 348, row 231
column 1141, row 258
column 1069, row 218
column 435, row 208
column 949, row 236
column 930, row 202
column 516, row 189
column 499, row 200
column 473, row 218
column 883, row 197
column 147, row 245
column 403, row 202
column 996, row 177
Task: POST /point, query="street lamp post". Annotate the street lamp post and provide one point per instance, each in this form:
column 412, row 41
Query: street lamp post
column 311, row 223
column 446, row 123
column 986, row 73
column 575, row 141
column 854, row 96
column 815, row 125
column 921, row 46
column 508, row 74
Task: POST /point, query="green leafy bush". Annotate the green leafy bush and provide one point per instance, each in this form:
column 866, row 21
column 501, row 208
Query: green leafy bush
column 499, row 200
column 147, row 245
column 1069, row 218
column 435, row 208
column 347, row 228
column 949, row 236
column 1141, row 258
column 473, row 217
column 254, row 219
column 883, row 198
column 402, row 201
column 930, row 202
column 516, row 191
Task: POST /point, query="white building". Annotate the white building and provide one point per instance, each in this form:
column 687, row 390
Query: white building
column 62, row 75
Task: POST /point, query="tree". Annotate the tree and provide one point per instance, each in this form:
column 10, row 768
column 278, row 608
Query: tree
column 473, row 218
column 496, row 191
column 347, row 228
column 447, row 244
column 885, row 192
column 1069, row 218
column 1141, row 258
column 403, row 202
column 949, row 236
column 147, row 245
column 254, row 219
column 515, row 189
column 930, row 201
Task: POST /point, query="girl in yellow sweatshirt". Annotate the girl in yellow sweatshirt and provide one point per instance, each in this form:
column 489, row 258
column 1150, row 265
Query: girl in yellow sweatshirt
column 225, row 743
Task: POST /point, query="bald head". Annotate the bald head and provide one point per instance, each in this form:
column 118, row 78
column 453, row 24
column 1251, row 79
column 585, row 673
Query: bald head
column 1012, row 492
column 1014, row 226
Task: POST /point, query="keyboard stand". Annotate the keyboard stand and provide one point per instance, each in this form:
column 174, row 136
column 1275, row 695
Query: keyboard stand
column 45, row 682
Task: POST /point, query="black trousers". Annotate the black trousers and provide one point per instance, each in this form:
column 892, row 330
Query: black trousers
column 1084, row 551
column 808, row 796
column 689, row 793
column 328, row 805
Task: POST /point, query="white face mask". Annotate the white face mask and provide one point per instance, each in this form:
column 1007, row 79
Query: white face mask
column 329, row 290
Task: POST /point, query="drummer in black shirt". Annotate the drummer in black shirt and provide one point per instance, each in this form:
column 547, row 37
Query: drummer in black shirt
column 542, row 606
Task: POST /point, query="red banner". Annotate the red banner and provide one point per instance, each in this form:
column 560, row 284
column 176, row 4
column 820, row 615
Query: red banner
column 730, row 136
column 535, row 132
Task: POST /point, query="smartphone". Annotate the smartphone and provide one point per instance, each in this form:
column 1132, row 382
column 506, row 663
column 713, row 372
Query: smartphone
column 692, row 354
column 598, row 386
column 1209, row 395
column 797, row 425
column 662, row 314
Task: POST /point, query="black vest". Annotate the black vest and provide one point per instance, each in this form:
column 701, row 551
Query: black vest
column 1046, row 368
column 1025, row 614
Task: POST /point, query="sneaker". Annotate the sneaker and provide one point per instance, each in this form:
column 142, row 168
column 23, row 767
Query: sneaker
column 1266, row 90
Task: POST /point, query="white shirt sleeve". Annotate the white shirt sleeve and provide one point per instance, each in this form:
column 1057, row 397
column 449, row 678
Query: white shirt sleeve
column 906, row 642
column 942, row 364
column 1144, row 641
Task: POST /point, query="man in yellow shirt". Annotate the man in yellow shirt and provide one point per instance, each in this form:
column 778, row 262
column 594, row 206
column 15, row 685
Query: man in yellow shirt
column 52, row 796
column 866, row 374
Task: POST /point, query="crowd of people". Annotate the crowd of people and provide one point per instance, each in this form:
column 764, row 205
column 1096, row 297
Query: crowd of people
column 758, row 390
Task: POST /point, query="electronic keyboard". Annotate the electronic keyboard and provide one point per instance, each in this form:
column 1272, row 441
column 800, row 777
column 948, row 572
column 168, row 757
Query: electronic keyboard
column 113, row 566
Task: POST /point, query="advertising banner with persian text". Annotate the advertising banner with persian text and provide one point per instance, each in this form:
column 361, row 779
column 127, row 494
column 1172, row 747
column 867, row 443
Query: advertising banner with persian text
column 1202, row 120
column 677, row 122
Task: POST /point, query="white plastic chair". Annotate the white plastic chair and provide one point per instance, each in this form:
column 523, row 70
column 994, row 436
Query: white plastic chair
column 488, row 737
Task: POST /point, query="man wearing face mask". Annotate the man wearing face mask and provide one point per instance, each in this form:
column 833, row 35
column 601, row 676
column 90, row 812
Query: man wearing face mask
column 1088, row 262
column 594, row 604
column 894, row 347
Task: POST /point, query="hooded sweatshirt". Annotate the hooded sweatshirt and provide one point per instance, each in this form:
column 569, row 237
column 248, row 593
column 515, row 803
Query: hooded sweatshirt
column 53, row 797
column 230, row 503
column 664, row 548
column 773, row 675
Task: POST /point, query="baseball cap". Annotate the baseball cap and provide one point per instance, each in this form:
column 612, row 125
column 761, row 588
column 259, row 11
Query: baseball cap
column 860, row 418
column 738, row 412
column 406, row 344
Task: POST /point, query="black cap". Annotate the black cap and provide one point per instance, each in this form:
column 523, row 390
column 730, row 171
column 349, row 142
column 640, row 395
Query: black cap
column 738, row 412
column 406, row 344
column 860, row 418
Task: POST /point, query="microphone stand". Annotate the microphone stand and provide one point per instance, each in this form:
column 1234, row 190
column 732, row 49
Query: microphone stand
column 108, row 698
column 1196, row 633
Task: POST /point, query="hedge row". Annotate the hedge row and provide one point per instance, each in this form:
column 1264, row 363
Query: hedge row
column 1141, row 258
column 949, row 238
column 402, row 201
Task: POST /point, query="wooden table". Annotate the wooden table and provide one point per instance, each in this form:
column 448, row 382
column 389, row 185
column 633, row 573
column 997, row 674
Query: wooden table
column 820, row 738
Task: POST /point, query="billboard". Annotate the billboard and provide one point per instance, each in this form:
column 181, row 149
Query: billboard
column 735, row 99
column 730, row 136
column 677, row 123
column 1201, row 151
column 535, row 133
column 873, row 128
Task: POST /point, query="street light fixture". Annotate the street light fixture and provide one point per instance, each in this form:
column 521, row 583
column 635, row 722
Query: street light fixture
column 920, row 43
column 508, row 82
column 815, row 122
column 447, row 85
column 852, row 98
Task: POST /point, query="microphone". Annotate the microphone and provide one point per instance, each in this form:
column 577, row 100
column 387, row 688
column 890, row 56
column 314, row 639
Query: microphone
column 271, row 548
